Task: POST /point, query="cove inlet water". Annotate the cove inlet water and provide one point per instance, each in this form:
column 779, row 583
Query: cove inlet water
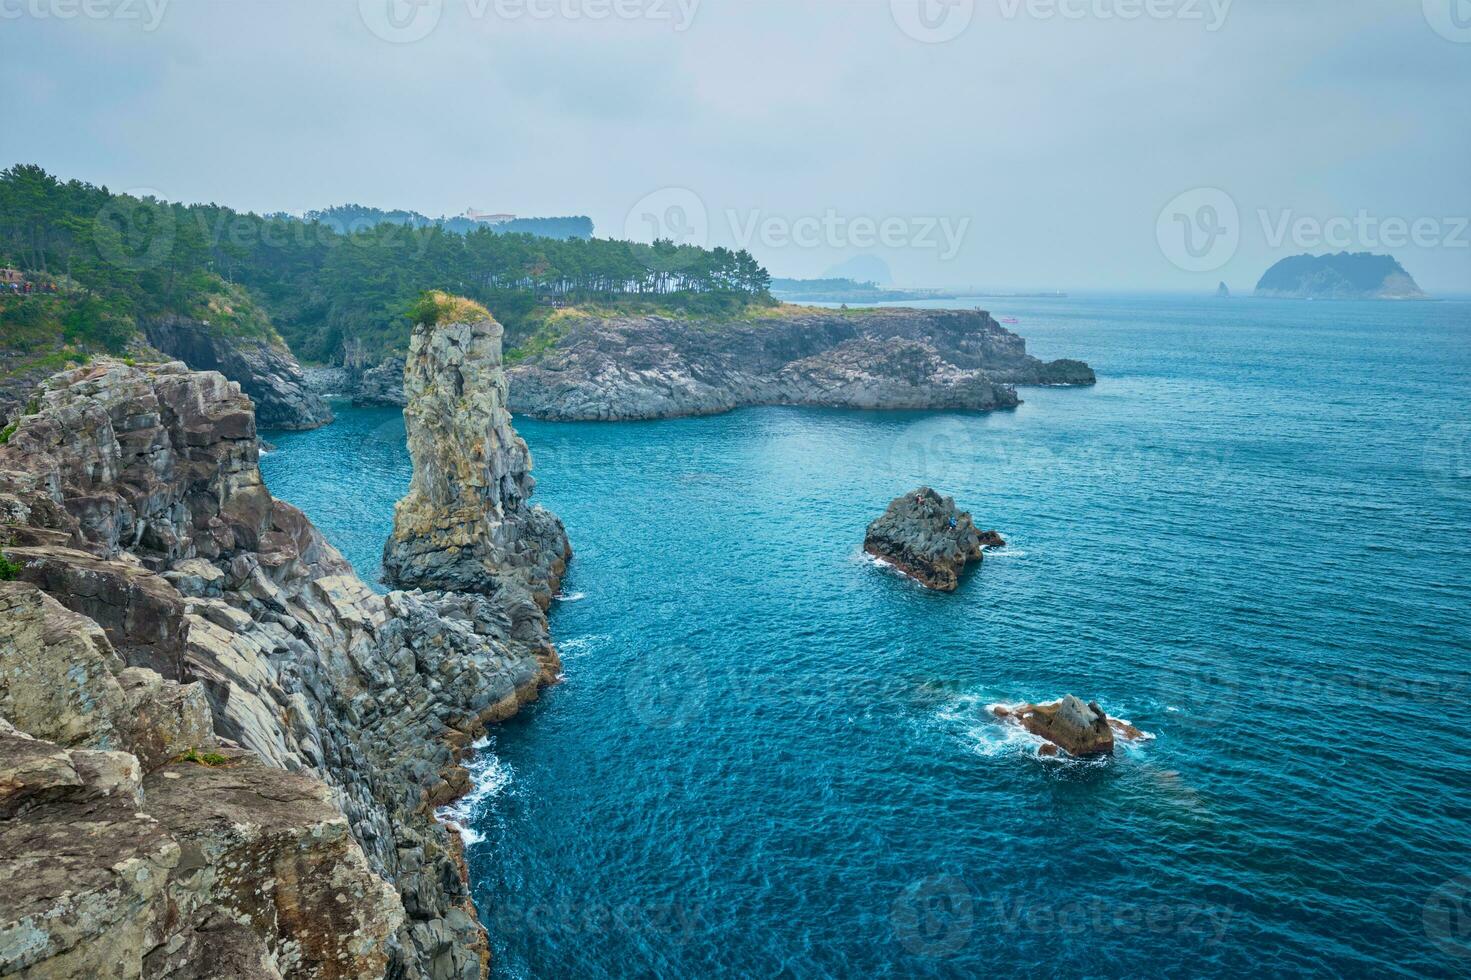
column 771, row 756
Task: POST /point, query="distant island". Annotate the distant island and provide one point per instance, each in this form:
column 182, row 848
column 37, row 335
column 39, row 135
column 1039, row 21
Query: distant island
column 1343, row 276
column 848, row 291
column 1223, row 291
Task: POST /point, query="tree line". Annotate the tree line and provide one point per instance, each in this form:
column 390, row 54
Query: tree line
column 138, row 256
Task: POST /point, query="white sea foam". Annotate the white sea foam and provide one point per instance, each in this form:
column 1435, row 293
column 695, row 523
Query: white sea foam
column 570, row 596
column 490, row 777
column 578, row 646
column 972, row 719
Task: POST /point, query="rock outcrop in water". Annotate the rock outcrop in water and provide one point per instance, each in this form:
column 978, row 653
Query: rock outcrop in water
column 467, row 524
column 221, row 753
column 1080, row 730
column 263, row 367
column 658, row 367
column 925, row 536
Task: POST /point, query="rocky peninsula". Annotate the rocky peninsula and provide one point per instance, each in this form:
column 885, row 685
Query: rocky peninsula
column 613, row 368
column 221, row 753
column 467, row 524
column 929, row 539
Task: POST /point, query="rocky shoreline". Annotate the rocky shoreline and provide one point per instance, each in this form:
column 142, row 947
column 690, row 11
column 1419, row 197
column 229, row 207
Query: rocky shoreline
column 652, row 367
column 221, row 752
column 264, row 368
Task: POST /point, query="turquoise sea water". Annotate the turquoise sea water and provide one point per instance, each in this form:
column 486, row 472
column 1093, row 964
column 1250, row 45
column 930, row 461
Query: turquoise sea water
column 771, row 757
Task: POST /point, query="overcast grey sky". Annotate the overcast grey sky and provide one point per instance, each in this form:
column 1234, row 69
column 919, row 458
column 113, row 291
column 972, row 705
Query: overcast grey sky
column 1005, row 143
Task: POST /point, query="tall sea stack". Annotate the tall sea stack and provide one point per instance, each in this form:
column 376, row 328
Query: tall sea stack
column 467, row 524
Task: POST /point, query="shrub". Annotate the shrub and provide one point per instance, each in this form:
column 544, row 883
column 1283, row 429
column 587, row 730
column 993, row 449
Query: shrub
column 9, row 570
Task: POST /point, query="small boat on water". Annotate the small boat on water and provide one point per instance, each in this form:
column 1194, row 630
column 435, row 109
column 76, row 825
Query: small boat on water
column 1010, row 319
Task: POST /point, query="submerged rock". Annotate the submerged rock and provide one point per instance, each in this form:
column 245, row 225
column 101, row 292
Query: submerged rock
column 467, row 523
column 925, row 536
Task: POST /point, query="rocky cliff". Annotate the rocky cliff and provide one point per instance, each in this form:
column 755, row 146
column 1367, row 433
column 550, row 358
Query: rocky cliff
column 657, row 367
column 467, row 524
column 262, row 366
column 618, row 368
column 221, row 753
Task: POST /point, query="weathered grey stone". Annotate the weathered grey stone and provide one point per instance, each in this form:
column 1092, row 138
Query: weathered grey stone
column 57, row 672
column 925, row 536
column 129, row 479
column 263, row 367
column 467, row 524
column 165, row 719
column 611, row 368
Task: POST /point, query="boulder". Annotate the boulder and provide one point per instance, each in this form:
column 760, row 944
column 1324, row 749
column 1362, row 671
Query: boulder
column 1079, row 729
column 925, row 536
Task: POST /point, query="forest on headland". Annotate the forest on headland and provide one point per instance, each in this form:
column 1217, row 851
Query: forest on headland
column 115, row 259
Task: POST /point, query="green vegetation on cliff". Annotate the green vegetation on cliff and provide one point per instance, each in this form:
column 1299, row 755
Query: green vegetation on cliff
column 122, row 258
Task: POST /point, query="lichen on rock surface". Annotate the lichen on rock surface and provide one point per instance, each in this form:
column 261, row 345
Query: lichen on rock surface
column 221, row 751
column 467, row 523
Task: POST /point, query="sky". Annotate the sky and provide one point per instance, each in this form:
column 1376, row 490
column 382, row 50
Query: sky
column 1002, row 144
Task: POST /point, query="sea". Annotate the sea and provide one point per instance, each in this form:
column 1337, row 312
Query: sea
column 771, row 756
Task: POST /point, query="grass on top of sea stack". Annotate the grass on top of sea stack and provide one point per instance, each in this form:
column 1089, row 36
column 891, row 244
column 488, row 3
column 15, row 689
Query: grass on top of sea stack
column 437, row 306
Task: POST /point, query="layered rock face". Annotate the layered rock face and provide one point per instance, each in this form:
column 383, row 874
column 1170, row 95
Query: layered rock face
column 657, row 367
column 264, row 369
column 222, row 751
column 467, row 524
column 925, row 536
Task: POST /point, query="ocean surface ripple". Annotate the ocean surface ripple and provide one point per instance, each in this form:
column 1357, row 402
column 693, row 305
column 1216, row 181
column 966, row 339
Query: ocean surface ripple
column 770, row 756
